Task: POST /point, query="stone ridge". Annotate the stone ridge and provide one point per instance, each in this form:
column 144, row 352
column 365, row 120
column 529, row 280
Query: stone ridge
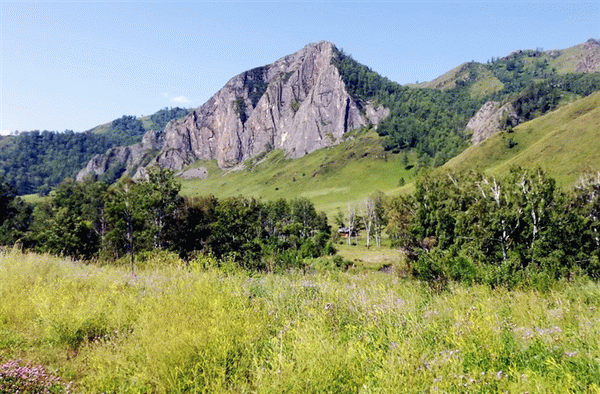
column 128, row 157
column 298, row 104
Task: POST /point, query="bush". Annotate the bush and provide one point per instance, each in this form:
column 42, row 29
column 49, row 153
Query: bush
column 431, row 268
column 341, row 263
column 203, row 262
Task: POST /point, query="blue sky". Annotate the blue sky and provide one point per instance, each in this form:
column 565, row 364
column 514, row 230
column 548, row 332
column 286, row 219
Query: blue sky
column 77, row 64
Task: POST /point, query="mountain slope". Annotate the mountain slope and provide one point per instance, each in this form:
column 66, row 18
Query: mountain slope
column 312, row 98
column 565, row 142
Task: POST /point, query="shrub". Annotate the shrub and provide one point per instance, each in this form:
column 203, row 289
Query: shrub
column 203, row 262
column 341, row 263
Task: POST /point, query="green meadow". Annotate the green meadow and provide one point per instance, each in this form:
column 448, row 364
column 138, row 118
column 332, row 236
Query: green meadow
column 329, row 177
column 181, row 329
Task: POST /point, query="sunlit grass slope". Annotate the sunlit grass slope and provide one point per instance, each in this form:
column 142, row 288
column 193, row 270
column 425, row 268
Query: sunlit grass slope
column 176, row 330
column 563, row 61
column 486, row 83
column 565, row 143
column 329, row 177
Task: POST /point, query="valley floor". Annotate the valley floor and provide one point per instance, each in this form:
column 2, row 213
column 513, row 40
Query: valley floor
column 180, row 330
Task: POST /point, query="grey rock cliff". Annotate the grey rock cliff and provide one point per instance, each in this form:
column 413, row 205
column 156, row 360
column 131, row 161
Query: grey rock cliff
column 129, row 158
column 488, row 120
column 298, row 104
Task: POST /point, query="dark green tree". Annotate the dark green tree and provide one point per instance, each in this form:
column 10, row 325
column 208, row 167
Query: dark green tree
column 68, row 224
column 15, row 215
column 585, row 202
column 159, row 194
column 7, row 195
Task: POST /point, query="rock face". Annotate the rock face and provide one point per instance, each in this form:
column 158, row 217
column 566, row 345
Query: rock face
column 128, row 158
column 591, row 59
column 298, row 104
column 488, row 120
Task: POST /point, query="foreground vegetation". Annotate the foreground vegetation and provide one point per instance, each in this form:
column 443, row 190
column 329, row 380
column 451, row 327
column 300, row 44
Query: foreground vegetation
column 181, row 329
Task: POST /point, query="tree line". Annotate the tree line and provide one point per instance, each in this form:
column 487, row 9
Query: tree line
column 510, row 230
column 519, row 229
column 92, row 220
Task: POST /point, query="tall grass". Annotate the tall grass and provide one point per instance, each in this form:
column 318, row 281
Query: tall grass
column 177, row 330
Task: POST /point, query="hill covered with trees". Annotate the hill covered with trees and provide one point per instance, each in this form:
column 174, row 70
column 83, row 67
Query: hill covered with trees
column 431, row 118
column 37, row 161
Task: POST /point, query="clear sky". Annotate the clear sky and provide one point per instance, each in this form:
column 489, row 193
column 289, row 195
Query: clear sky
column 77, row 64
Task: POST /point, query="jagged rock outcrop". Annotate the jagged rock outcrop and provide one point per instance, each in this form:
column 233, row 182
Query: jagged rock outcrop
column 127, row 158
column 298, row 104
column 490, row 119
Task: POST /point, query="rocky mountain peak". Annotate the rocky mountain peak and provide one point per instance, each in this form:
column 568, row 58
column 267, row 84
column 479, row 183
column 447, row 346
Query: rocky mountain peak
column 298, row 103
column 590, row 59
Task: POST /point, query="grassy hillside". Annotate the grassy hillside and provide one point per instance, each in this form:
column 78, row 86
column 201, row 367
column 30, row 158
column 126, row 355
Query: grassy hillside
column 482, row 81
column 329, row 177
column 566, row 60
column 565, row 143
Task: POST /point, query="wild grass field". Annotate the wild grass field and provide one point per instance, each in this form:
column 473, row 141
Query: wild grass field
column 182, row 329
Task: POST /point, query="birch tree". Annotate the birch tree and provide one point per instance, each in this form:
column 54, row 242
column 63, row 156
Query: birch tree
column 369, row 217
column 159, row 196
column 351, row 214
column 379, row 217
column 125, row 217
